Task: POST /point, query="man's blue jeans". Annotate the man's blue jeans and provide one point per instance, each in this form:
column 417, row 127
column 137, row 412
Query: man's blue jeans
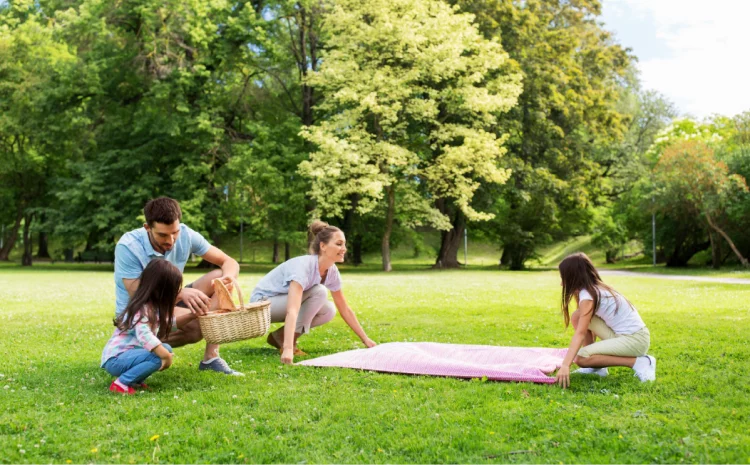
column 135, row 365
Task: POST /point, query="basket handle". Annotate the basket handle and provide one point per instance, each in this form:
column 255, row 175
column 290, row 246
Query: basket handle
column 236, row 286
column 219, row 282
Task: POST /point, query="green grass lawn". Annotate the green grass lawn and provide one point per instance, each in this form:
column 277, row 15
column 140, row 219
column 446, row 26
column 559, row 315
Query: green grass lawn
column 55, row 407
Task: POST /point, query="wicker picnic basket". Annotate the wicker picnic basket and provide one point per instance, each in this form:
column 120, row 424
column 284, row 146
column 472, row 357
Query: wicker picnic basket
column 243, row 321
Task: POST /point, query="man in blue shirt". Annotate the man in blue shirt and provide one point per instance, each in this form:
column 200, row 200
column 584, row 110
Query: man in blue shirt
column 164, row 237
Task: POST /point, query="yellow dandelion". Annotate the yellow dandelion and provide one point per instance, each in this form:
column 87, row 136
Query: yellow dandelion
column 620, row 436
column 492, row 432
column 68, row 461
column 380, row 450
column 241, row 456
column 94, row 450
column 154, row 437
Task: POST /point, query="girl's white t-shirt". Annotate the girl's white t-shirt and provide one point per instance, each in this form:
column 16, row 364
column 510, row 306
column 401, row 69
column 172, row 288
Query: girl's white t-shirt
column 625, row 321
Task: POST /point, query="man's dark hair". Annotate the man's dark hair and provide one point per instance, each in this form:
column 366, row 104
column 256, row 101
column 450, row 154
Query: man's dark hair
column 162, row 210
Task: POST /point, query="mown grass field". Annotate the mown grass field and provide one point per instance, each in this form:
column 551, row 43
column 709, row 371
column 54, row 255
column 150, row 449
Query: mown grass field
column 55, row 407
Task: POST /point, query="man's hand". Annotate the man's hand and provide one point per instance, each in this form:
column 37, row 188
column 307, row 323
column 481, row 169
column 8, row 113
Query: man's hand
column 166, row 361
column 195, row 300
column 563, row 377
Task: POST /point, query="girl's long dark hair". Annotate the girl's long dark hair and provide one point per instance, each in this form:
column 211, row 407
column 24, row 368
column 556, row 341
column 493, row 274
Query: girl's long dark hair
column 578, row 272
column 156, row 294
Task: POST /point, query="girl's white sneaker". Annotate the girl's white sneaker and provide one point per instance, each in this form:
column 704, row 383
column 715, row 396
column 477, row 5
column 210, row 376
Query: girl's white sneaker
column 645, row 368
column 593, row 371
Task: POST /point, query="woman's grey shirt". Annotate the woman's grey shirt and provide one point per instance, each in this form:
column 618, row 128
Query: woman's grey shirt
column 303, row 270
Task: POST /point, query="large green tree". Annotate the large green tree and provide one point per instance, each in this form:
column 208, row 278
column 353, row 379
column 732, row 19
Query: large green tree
column 623, row 214
column 172, row 99
column 411, row 91
column 270, row 190
column 40, row 120
column 573, row 73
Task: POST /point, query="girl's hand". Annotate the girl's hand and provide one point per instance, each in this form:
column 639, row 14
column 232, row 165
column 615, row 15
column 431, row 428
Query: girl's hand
column 369, row 343
column 563, row 377
column 166, row 361
column 287, row 357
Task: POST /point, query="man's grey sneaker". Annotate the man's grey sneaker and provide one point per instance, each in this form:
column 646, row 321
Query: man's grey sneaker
column 645, row 368
column 593, row 371
column 218, row 364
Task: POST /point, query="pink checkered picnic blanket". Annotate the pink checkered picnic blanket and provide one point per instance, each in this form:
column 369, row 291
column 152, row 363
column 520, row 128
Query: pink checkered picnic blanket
column 454, row 360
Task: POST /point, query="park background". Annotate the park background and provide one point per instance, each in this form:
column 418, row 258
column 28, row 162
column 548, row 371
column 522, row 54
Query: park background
column 520, row 129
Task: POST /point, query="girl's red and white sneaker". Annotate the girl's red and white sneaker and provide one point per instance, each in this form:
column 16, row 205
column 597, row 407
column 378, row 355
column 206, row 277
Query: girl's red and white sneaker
column 114, row 387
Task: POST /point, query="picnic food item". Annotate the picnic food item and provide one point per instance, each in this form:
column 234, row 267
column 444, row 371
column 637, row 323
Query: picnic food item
column 224, row 297
column 230, row 322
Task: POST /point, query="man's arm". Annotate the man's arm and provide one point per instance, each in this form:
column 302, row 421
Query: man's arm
column 131, row 285
column 229, row 266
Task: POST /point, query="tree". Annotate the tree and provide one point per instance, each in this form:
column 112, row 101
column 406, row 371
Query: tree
column 411, row 92
column 169, row 102
column 624, row 198
column 281, row 58
column 573, row 76
column 689, row 175
column 39, row 122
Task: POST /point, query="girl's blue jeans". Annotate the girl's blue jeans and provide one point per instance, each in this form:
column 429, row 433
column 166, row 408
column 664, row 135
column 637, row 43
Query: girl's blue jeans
column 135, row 365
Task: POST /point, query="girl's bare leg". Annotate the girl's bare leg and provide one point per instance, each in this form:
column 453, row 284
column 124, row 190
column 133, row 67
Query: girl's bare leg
column 601, row 361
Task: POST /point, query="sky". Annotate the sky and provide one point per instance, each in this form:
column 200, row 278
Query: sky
column 694, row 52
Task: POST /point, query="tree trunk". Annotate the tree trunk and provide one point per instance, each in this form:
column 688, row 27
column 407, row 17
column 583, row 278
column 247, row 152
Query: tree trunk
column 27, row 240
column 715, row 250
column 11, row 240
column 68, row 253
column 357, row 247
column 275, row 257
column 43, row 251
column 450, row 241
column 287, row 251
column 742, row 259
column 610, row 256
column 518, row 256
column 349, row 229
column 386, row 245
column 505, row 257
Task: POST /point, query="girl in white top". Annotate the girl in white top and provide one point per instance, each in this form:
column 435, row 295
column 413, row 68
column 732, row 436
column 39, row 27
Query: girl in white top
column 298, row 291
column 604, row 313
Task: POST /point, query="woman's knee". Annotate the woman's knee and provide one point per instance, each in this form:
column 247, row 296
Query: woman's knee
column 326, row 314
column 318, row 291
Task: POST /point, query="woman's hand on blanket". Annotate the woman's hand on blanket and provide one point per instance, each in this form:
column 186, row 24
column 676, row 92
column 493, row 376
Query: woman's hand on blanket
column 369, row 343
column 287, row 356
column 563, row 377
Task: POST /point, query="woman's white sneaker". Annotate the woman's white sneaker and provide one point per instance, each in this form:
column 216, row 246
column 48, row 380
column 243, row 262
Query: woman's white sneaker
column 645, row 368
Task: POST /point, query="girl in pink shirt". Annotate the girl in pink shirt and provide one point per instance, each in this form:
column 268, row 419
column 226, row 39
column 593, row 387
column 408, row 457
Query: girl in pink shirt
column 135, row 350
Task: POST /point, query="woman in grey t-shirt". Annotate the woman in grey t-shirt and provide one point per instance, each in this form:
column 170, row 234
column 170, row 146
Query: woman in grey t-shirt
column 298, row 292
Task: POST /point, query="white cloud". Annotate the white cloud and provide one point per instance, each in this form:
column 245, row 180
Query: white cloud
column 707, row 69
